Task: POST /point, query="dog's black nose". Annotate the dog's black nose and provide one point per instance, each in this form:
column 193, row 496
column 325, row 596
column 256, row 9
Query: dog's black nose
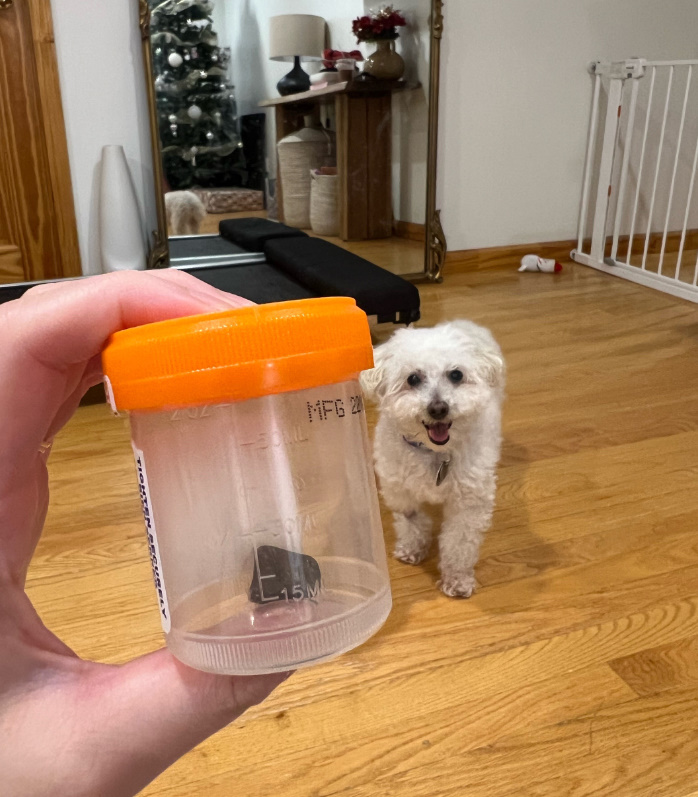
column 438, row 409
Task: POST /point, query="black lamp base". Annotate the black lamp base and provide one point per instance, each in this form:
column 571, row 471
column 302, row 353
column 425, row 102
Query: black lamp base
column 295, row 81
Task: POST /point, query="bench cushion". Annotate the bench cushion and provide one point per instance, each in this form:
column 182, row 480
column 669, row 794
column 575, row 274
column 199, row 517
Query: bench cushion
column 329, row 270
column 252, row 233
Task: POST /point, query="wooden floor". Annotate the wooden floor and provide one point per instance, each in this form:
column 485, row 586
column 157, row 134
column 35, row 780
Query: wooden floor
column 572, row 672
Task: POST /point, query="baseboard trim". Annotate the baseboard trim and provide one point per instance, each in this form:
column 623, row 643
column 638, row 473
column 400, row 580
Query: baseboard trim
column 409, row 230
column 498, row 256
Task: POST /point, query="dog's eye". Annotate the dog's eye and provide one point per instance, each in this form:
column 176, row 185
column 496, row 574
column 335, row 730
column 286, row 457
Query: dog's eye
column 455, row 376
column 413, row 380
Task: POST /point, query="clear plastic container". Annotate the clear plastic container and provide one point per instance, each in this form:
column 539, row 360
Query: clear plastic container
column 260, row 501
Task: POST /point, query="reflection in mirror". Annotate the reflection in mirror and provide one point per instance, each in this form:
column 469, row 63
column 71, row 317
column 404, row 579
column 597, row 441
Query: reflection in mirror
column 336, row 146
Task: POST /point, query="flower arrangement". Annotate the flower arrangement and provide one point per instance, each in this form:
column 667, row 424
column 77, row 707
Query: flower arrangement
column 330, row 57
column 378, row 25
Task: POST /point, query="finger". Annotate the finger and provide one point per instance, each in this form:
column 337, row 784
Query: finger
column 152, row 711
column 183, row 278
column 50, row 336
column 69, row 325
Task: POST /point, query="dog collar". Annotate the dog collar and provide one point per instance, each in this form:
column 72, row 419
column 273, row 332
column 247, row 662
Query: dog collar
column 444, row 465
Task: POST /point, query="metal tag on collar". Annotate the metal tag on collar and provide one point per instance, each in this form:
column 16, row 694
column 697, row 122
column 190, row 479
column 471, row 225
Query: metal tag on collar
column 442, row 472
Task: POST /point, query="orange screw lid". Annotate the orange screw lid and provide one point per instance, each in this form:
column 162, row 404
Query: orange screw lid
column 237, row 354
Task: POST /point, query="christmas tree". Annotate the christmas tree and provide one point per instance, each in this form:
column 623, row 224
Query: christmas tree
column 197, row 115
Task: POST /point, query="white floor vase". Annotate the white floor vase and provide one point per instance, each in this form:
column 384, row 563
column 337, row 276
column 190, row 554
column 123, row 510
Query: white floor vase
column 121, row 241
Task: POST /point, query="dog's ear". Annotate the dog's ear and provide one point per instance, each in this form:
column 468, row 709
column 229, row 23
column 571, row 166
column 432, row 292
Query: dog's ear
column 491, row 366
column 373, row 382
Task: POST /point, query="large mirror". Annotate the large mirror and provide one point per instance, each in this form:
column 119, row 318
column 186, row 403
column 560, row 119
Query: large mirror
column 321, row 116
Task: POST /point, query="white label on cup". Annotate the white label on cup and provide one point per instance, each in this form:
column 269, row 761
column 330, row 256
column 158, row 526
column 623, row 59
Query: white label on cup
column 153, row 548
column 109, row 392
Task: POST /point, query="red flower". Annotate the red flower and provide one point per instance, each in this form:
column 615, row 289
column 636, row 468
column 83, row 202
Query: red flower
column 381, row 25
column 396, row 20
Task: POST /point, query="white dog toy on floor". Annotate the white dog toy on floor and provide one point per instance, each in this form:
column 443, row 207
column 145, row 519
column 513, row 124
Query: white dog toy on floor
column 438, row 437
column 535, row 263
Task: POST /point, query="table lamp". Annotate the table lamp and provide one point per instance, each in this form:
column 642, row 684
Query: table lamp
column 296, row 37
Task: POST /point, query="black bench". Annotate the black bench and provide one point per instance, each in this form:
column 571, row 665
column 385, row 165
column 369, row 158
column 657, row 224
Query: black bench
column 287, row 264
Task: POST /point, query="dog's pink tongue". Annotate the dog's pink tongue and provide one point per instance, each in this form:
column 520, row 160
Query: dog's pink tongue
column 438, row 432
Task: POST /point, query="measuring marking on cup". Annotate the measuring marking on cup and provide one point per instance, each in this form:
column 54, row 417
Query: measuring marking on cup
column 269, row 550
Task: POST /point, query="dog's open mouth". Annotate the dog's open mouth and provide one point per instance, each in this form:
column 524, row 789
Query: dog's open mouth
column 439, row 433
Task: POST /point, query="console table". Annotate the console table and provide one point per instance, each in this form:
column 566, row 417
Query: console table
column 364, row 164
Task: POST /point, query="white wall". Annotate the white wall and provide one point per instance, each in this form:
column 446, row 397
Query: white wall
column 515, row 102
column 411, row 114
column 99, row 60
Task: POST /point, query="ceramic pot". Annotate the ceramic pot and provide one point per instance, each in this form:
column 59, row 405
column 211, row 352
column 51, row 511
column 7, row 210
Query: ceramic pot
column 385, row 63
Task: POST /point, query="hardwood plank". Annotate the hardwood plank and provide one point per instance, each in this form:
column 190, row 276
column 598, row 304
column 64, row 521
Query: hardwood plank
column 660, row 669
column 376, row 740
column 645, row 746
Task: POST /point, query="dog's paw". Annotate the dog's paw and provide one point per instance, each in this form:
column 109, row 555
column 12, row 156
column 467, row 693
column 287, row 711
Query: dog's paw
column 458, row 586
column 410, row 556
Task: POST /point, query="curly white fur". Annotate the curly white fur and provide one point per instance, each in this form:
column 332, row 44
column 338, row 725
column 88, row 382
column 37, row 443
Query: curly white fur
column 410, row 444
column 185, row 212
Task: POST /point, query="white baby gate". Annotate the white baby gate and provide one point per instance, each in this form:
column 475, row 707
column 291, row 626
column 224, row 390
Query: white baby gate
column 638, row 218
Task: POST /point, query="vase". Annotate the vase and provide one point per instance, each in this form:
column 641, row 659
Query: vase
column 385, row 63
column 121, row 240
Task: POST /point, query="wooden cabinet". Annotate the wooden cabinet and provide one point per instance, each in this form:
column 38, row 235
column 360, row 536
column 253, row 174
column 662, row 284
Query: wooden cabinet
column 363, row 120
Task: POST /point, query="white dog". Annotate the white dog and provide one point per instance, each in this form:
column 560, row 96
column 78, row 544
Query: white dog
column 185, row 212
column 438, row 439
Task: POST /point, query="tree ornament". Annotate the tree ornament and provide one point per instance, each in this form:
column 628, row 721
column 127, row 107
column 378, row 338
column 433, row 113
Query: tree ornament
column 173, row 130
column 194, row 112
column 175, row 60
column 209, row 136
column 172, row 118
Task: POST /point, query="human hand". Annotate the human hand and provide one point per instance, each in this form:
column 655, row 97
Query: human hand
column 68, row 726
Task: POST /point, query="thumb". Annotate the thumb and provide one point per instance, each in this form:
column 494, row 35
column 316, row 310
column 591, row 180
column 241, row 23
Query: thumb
column 153, row 710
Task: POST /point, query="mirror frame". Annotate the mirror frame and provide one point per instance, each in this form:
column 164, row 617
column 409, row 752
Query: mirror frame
column 435, row 239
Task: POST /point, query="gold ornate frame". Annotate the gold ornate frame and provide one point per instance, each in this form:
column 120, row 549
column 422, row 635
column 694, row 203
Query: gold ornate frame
column 435, row 240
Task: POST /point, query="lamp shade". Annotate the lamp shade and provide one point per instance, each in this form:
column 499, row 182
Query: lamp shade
column 292, row 35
